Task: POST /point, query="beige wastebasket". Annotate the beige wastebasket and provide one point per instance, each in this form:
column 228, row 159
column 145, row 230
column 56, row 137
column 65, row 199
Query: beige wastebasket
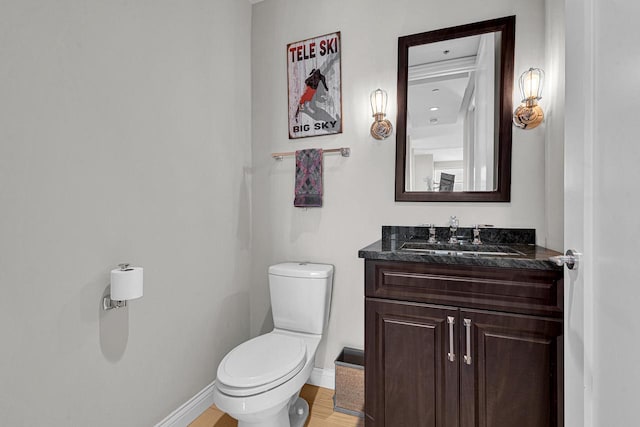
column 349, row 387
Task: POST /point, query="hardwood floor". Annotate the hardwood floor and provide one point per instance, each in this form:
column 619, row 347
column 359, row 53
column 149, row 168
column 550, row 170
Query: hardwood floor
column 321, row 412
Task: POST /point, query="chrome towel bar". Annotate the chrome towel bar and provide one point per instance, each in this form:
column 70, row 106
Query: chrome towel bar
column 344, row 152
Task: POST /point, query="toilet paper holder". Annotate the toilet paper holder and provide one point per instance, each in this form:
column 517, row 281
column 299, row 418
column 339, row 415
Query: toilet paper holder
column 109, row 304
column 126, row 284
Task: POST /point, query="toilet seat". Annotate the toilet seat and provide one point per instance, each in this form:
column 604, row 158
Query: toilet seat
column 260, row 364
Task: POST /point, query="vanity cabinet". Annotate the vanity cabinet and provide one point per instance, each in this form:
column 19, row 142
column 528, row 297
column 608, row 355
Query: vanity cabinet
column 408, row 379
column 514, row 377
column 462, row 346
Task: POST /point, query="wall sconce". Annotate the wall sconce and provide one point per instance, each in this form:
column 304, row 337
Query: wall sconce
column 381, row 127
column 529, row 115
column 126, row 284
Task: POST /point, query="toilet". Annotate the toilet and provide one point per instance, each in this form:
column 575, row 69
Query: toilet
column 259, row 381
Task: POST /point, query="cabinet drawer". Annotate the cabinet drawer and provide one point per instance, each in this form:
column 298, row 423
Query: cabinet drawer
column 537, row 292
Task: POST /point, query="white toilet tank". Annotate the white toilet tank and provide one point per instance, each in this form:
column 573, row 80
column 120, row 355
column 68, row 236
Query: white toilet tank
column 300, row 296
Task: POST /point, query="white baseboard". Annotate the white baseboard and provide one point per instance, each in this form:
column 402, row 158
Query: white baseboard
column 323, row 378
column 190, row 410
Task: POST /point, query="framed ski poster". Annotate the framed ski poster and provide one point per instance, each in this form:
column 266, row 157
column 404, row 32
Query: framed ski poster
column 315, row 88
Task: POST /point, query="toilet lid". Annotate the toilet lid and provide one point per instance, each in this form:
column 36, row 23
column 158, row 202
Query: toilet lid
column 262, row 360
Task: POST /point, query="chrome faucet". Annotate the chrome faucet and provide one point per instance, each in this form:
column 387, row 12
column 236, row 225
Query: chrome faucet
column 476, row 235
column 432, row 234
column 453, row 228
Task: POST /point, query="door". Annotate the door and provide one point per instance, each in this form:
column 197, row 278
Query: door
column 510, row 370
column 412, row 369
column 601, row 212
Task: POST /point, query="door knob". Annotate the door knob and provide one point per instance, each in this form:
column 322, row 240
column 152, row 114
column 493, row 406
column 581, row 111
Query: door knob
column 570, row 258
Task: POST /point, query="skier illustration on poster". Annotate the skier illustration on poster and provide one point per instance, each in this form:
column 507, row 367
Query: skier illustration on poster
column 312, row 83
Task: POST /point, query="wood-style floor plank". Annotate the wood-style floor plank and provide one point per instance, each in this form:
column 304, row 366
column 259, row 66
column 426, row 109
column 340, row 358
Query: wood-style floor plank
column 321, row 412
column 214, row 417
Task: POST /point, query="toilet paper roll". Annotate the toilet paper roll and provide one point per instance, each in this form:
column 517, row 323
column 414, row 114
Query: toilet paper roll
column 126, row 284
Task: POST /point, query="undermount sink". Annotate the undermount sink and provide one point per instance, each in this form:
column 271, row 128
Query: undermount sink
column 459, row 249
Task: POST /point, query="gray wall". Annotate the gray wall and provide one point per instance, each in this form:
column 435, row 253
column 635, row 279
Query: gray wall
column 553, row 104
column 124, row 135
column 359, row 194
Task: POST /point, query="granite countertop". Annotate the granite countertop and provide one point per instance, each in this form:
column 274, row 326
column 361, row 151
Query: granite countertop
column 529, row 256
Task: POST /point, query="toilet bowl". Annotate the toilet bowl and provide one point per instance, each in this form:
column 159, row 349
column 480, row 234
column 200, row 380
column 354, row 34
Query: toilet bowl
column 258, row 382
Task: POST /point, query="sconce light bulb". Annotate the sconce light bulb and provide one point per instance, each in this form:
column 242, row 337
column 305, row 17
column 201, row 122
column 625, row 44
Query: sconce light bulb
column 378, row 102
column 531, row 83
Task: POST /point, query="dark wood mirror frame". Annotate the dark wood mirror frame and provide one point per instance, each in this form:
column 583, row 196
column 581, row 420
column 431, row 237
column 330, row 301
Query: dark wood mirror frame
column 502, row 193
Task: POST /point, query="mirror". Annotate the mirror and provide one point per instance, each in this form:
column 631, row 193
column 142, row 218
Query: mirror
column 454, row 113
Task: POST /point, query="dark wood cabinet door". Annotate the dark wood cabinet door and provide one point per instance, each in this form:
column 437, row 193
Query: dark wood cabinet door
column 515, row 374
column 409, row 377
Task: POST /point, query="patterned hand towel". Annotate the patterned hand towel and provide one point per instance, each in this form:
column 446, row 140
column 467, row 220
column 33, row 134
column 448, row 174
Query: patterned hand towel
column 308, row 178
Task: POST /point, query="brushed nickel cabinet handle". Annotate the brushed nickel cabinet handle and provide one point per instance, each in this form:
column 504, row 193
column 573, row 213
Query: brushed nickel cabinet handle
column 467, row 326
column 451, row 355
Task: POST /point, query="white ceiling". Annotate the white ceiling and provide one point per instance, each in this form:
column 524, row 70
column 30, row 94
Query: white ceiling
column 438, row 79
column 446, row 95
column 434, row 52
